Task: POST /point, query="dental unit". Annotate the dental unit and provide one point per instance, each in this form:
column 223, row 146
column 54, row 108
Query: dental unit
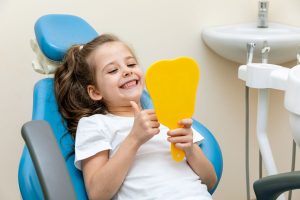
column 265, row 43
column 263, row 77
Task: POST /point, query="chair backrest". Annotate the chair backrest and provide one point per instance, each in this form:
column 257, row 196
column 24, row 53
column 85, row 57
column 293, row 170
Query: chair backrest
column 45, row 107
column 55, row 33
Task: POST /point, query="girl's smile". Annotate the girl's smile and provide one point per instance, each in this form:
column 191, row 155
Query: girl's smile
column 129, row 84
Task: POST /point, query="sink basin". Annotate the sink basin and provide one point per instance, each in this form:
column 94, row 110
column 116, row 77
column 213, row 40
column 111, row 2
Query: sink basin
column 230, row 41
column 292, row 101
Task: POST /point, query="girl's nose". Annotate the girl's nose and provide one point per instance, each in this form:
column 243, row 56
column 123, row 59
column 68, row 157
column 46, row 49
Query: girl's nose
column 127, row 72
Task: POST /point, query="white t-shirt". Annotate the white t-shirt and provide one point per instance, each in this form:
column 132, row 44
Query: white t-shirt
column 153, row 175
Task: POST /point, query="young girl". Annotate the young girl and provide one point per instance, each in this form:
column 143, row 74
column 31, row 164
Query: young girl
column 122, row 150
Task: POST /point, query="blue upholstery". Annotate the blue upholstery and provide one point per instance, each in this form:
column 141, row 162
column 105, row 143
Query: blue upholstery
column 211, row 149
column 55, row 33
column 45, row 108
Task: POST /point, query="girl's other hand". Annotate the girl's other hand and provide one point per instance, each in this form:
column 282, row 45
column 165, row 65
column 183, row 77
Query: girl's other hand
column 145, row 124
column 183, row 137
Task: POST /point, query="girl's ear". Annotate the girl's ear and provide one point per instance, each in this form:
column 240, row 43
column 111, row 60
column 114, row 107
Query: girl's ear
column 94, row 93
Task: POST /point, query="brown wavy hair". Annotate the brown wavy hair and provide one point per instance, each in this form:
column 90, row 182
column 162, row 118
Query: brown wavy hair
column 71, row 80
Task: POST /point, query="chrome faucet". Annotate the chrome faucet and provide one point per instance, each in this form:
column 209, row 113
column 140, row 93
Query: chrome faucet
column 263, row 7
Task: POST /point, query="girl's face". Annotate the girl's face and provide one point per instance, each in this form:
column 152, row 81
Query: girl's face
column 119, row 79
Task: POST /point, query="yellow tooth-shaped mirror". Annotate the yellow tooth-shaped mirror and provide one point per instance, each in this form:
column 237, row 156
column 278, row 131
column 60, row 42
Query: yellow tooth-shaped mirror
column 172, row 85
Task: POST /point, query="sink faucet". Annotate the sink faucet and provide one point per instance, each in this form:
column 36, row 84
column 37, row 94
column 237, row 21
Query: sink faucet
column 263, row 7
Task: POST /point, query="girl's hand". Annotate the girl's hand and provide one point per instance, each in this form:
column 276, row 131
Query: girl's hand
column 183, row 137
column 145, row 124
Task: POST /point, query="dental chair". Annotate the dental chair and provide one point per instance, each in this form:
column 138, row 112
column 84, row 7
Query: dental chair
column 46, row 169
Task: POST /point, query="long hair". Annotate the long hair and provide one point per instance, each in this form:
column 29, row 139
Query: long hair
column 71, row 80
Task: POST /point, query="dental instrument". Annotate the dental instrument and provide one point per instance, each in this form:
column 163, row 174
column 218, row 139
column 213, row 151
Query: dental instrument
column 265, row 52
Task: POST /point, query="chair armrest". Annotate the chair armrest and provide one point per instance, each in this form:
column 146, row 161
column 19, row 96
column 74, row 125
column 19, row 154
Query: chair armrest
column 270, row 187
column 48, row 161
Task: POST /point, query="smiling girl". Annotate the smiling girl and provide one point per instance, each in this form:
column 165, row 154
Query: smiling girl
column 122, row 150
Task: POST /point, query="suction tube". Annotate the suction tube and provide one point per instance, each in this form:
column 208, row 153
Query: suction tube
column 264, row 59
column 250, row 51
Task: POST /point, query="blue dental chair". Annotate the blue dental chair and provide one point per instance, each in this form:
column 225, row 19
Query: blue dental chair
column 46, row 169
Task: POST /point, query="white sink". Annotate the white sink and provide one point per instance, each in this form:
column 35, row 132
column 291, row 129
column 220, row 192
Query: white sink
column 230, row 41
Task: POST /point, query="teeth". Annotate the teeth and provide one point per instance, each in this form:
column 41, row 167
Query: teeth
column 129, row 84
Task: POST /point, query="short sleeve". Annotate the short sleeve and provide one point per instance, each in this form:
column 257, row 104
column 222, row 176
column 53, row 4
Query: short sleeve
column 197, row 137
column 91, row 138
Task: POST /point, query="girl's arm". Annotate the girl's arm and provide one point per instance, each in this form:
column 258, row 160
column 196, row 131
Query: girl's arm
column 183, row 139
column 202, row 166
column 103, row 176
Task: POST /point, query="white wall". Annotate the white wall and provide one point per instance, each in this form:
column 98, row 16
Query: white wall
column 157, row 30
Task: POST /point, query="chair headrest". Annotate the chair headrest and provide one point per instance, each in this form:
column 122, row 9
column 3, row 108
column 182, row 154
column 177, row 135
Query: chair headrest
column 55, row 33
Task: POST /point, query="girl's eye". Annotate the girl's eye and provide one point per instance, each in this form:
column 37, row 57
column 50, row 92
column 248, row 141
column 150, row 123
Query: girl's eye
column 112, row 71
column 131, row 65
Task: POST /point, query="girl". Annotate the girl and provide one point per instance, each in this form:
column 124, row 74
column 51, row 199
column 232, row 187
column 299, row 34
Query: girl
column 121, row 149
